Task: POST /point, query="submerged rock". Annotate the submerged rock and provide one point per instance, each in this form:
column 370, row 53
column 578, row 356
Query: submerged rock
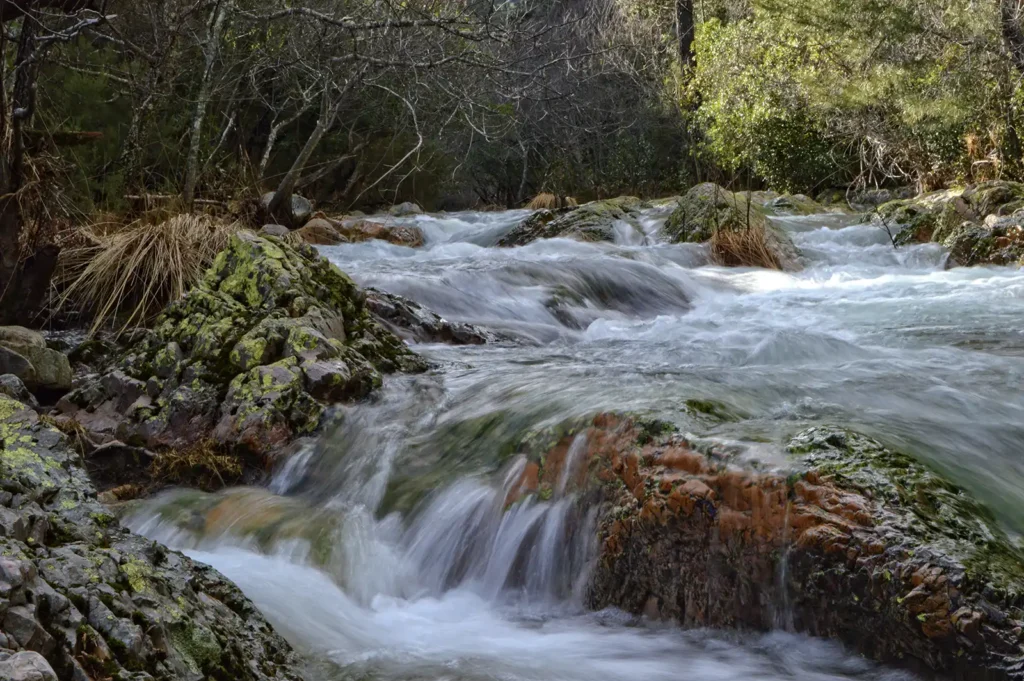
column 854, row 542
column 411, row 321
column 366, row 230
column 83, row 598
column 243, row 359
column 594, row 221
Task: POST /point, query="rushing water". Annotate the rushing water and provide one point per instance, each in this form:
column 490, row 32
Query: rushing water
column 385, row 552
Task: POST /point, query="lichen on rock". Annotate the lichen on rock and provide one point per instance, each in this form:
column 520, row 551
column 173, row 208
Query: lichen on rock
column 94, row 600
column 244, row 356
column 980, row 225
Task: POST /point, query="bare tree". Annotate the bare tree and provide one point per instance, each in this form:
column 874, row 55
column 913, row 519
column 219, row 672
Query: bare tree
column 211, row 51
column 25, row 265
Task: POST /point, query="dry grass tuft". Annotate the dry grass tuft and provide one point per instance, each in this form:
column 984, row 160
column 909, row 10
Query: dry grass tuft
column 546, row 201
column 745, row 247
column 543, row 201
column 204, row 465
column 130, row 272
column 72, row 429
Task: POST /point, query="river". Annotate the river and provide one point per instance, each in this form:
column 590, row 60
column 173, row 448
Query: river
column 424, row 575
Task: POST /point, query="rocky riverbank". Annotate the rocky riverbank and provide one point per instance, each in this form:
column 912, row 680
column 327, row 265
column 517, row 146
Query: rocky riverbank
column 83, row 598
column 233, row 372
column 980, row 225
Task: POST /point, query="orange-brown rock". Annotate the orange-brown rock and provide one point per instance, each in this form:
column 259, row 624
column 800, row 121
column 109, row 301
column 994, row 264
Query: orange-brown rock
column 320, row 232
column 366, row 230
column 834, row 547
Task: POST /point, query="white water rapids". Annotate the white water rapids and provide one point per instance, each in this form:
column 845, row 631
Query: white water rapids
column 425, row 577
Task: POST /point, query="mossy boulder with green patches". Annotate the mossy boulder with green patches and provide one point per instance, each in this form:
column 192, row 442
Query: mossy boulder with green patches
column 97, row 601
column 594, row 221
column 708, row 207
column 249, row 357
column 796, row 204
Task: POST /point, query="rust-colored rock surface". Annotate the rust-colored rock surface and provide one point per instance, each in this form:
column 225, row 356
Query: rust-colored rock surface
column 853, row 542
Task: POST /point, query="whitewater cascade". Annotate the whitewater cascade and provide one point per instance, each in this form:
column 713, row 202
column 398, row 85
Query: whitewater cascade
column 423, row 564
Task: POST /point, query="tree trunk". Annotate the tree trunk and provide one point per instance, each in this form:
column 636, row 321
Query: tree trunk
column 130, row 159
column 1013, row 39
column 280, row 207
column 684, row 32
column 23, row 281
column 211, row 51
column 1013, row 35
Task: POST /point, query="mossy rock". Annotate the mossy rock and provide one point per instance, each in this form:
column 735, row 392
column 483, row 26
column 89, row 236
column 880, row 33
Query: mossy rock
column 111, row 604
column 794, row 204
column 850, row 541
column 594, row 221
column 240, row 356
column 708, row 207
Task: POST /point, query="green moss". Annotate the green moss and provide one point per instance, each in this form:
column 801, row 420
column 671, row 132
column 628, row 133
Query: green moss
column 929, row 508
column 197, row 646
column 712, row 408
column 708, row 207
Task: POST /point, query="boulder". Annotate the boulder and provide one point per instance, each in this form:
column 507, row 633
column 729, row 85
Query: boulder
column 594, row 221
column 708, row 208
column 980, row 225
column 15, row 364
column 320, row 232
column 81, row 597
column 274, row 230
column 413, row 322
column 405, row 209
column 225, row 364
column 302, row 208
column 847, row 540
column 794, row 204
column 47, row 369
column 25, row 666
column 11, row 386
column 366, row 230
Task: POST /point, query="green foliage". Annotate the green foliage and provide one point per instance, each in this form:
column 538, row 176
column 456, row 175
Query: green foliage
column 803, row 93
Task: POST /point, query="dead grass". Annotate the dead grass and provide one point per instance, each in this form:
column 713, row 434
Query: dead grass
column 546, row 201
column 745, row 247
column 128, row 273
column 204, row 466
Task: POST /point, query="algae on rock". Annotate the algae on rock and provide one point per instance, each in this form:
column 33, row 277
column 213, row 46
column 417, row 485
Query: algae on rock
column 873, row 549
